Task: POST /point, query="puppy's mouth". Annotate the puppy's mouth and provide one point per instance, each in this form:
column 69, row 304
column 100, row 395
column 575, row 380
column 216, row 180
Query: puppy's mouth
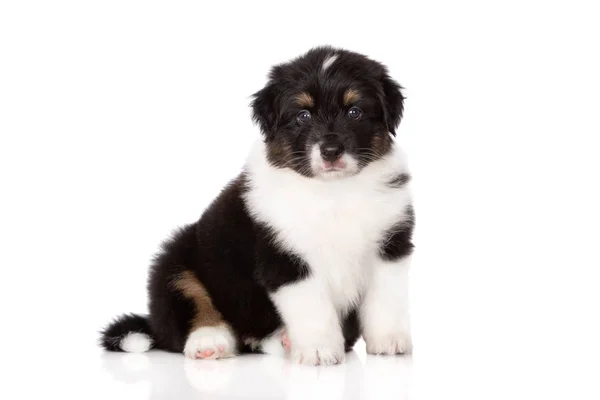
column 330, row 162
column 337, row 165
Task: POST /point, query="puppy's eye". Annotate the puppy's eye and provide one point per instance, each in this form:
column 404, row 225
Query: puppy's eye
column 354, row 112
column 303, row 116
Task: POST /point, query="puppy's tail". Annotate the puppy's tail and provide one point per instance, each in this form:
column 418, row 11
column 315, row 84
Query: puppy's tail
column 130, row 333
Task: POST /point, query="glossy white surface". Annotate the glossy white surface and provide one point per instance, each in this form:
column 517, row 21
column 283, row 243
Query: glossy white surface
column 158, row 375
column 462, row 369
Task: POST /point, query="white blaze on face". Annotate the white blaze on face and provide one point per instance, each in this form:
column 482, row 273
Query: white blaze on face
column 328, row 61
column 350, row 165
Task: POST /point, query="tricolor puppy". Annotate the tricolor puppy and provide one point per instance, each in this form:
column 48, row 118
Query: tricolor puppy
column 309, row 247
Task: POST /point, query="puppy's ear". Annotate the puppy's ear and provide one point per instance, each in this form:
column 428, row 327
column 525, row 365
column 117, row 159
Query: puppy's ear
column 264, row 110
column 393, row 102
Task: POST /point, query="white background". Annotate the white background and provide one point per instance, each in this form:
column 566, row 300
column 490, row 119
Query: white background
column 120, row 120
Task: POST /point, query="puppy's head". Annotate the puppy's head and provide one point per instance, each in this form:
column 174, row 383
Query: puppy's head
column 328, row 113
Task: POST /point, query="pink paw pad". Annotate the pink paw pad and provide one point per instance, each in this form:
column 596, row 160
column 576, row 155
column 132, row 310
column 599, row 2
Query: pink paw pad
column 286, row 342
column 205, row 354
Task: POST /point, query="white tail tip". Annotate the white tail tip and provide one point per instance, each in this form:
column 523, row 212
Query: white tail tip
column 136, row 343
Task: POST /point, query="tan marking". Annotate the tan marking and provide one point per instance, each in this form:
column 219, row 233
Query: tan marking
column 351, row 96
column 206, row 313
column 304, row 100
column 381, row 144
column 280, row 153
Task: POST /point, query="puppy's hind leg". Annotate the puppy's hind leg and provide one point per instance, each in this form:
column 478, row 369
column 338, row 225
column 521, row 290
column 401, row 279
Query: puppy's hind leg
column 210, row 337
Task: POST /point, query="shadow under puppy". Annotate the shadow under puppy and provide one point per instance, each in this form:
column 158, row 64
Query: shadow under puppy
column 311, row 241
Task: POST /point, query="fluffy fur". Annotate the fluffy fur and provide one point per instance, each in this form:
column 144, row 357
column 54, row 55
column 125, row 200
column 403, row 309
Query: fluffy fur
column 312, row 238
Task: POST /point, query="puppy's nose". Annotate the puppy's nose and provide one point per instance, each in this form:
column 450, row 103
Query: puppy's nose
column 331, row 151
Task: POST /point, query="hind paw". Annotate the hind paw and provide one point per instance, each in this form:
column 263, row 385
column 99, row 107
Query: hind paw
column 210, row 343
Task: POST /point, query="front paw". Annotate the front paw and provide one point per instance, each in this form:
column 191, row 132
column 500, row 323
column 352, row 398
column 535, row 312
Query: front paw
column 389, row 343
column 324, row 355
column 312, row 347
column 319, row 355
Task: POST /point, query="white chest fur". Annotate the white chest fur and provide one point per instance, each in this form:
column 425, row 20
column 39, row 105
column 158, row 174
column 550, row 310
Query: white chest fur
column 336, row 226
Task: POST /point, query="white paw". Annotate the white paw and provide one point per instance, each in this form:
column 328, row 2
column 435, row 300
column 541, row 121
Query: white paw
column 319, row 355
column 330, row 352
column 210, row 343
column 314, row 348
column 390, row 344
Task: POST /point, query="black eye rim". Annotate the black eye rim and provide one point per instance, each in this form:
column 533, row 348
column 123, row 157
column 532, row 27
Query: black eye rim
column 357, row 109
column 307, row 116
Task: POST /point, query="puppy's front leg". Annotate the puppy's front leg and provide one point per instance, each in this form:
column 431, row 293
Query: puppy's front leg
column 384, row 312
column 313, row 325
column 302, row 301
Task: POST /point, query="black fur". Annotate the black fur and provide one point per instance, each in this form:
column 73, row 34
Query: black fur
column 398, row 181
column 398, row 242
column 392, row 101
column 290, row 268
column 111, row 336
column 351, row 329
column 234, row 256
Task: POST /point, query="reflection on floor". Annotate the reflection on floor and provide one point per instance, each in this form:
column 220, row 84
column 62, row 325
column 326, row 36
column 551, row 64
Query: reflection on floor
column 263, row 377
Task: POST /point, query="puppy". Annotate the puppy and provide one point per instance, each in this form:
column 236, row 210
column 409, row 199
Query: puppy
column 310, row 243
